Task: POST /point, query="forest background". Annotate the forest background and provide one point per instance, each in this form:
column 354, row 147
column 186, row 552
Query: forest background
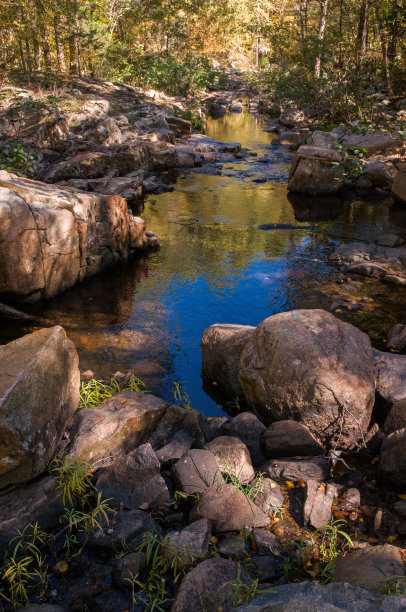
column 318, row 52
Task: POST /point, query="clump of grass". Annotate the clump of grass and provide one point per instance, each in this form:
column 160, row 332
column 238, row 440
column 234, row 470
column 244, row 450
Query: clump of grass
column 181, row 395
column 94, row 392
column 329, row 546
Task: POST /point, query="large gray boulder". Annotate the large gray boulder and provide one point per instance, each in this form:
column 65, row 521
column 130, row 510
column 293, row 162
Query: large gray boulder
column 222, row 345
column 118, row 426
column 312, row 597
column 39, row 393
column 51, row 238
column 308, row 366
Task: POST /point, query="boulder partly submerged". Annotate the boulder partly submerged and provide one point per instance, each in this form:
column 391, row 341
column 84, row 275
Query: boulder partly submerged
column 308, row 366
column 52, row 238
column 39, row 393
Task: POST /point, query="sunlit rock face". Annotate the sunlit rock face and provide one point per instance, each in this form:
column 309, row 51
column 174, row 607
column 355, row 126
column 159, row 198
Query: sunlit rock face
column 39, row 392
column 51, row 238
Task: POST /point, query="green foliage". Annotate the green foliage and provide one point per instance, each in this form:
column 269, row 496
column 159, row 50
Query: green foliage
column 241, row 593
column 181, row 395
column 94, row 392
column 329, row 546
column 31, row 555
column 16, row 157
column 352, row 162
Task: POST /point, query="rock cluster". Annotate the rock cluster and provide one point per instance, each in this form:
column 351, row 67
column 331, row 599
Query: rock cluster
column 227, row 485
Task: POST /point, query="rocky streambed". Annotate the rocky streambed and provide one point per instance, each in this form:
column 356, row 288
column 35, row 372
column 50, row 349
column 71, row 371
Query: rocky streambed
column 115, row 498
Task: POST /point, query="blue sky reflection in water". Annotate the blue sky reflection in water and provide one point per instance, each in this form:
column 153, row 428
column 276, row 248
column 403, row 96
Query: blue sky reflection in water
column 215, row 266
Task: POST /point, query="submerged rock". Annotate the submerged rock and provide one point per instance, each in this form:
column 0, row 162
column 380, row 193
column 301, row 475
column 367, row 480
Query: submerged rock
column 39, row 393
column 308, row 366
column 221, row 347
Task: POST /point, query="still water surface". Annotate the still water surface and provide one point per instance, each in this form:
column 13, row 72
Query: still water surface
column 215, row 265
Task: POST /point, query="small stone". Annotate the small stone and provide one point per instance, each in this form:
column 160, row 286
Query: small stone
column 126, row 567
column 351, row 498
column 266, row 541
column 213, row 426
column 248, row 428
column 229, row 509
column 297, row 469
column 88, row 374
column 269, row 496
column 233, row 457
column 233, row 547
column 179, row 443
column 267, row 567
column 400, row 507
column 318, row 500
column 189, row 545
column 128, row 532
column 196, row 471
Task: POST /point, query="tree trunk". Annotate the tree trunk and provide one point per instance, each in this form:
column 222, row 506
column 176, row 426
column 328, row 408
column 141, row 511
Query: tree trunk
column 362, row 36
column 60, row 54
column 382, row 36
column 322, row 31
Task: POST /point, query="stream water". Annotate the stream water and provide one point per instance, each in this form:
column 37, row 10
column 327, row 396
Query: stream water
column 216, row 265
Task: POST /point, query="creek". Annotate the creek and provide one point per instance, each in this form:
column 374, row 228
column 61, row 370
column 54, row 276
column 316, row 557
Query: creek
column 215, row 265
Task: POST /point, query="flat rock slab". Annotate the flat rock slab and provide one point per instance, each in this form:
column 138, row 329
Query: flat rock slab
column 247, row 427
column 233, row 547
column 266, row 541
column 233, row 457
column 207, row 586
column 380, row 262
column 134, row 480
column 128, row 532
column 269, row 496
column 188, row 546
column 228, row 509
column 318, row 500
column 39, row 393
column 297, row 469
column 118, row 426
column 372, row 567
column 196, row 471
column 312, row 597
column 289, row 439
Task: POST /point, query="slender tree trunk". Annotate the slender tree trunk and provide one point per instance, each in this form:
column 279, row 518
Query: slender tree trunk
column 60, row 54
column 322, row 31
column 22, row 58
column 382, row 36
column 362, row 36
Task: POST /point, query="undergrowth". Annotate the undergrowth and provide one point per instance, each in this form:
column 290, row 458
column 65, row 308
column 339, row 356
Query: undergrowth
column 94, row 392
column 35, row 557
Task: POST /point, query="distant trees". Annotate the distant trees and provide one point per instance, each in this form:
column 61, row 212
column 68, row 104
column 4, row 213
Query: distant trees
column 111, row 38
